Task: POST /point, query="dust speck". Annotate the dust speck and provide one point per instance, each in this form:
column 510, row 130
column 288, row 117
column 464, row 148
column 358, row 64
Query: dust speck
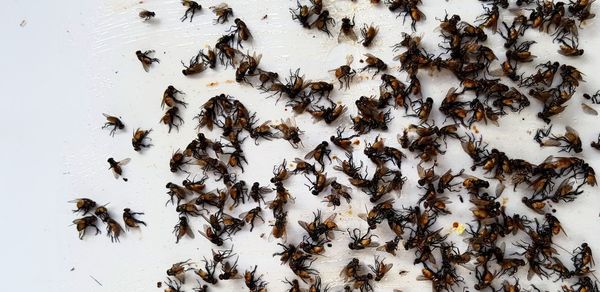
column 23, row 23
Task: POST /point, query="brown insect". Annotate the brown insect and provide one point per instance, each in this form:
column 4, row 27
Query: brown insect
column 368, row 33
column 380, row 268
column 83, row 223
column 113, row 229
column 192, row 7
column 116, row 166
column 347, row 29
column 360, row 241
column 145, row 59
column 322, row 22
column 279, row 227
column 374, row 63
column 178, row 159
column 169, row 98
column 138, row 139
column 345, row 73
column 290, row 132
column 390, row 246
column 130, row 220
column 208, row 273
column 250, row 216
column 222, row 11
column 182, row 228
column 301, row 13
column 178, row 270
column 114, row 122
column 146, row 15
column 172, row 118
column 195, row 66
column 83, row 205
column 241, row 29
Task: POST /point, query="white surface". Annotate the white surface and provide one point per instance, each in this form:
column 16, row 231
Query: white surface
column 74, row 60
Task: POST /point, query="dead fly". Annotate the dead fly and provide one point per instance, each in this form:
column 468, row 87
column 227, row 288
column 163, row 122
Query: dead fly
column 190, row 208
column 254, row 283
column 248, row 66
column 177, row 270
column 117, row 166
column 316, row 228
column 322, row 21
column 368, row 33
column 169, row 98
column 225, row 52
column 289, row 131
column 257, row 192
column 570, row 49
column 196, row 65
column 208, row 274
column 182, row 228
column 390, row 246
column 380, row 268
column 229, row 271
column 422, row 108
column 360, row 241
column 114, row 122
column 250, row 216
column 222, row 11
column 317, row 6
column 319, row 184
column 241, row 29
column 302, row 166
column 342, row 142
column 567, row 142
column 145, row 59
column 113, row 229
column 83, row 205
column 445, row 181
column 320, row 152
column 146, row 15
column 138, row 139
column 490, row 18
column 176, row 191
column 130, row 220
column 279, row 227
column 172, row 286
column 338, row 191
column 345, row 73
column 192, row 7
column 374, row 63
column 544, row 75
column 172, row 118
column 178, row 160
column 301, row 13
column 83, row 223
column 347, row 29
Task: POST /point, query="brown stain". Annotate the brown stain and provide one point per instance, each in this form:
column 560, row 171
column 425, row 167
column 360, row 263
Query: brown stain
column 455, row 224
column 356, row 142
column 334, row 157
column 212, row 84
column 475, row 129
column 229, row 81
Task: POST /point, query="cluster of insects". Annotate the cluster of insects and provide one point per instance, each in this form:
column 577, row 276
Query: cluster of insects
column 486, row 92
column 91, row 212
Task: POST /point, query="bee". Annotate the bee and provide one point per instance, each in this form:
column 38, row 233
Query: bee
column 83, row 223
column 145, row 59
column 182, row 228
column 196, row 65
column 368, row 33
column 322, row 21
column 380, row 268
column 242, row 31
column 114, row 122
column 178, row 270
column 223, row 12
column 116, row 166
column 130, row 220
column 290, row 132
column 192, row 7
column 138, row 139
column 347, row 29
column 374, row 63
column 146, row 15
column 83, row 205
column 172, row 118
column 360, row 241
